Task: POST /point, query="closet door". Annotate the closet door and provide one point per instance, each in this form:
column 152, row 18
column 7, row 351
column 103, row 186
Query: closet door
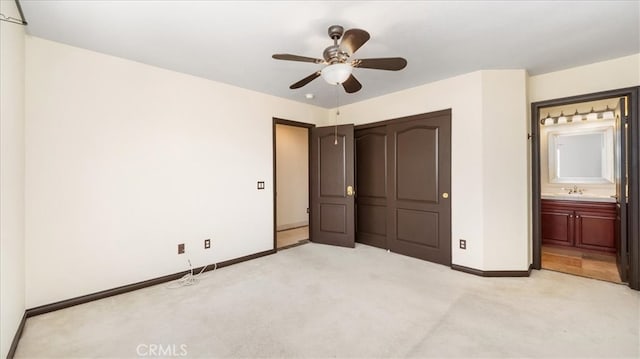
column 371, row 185
column 419, row 207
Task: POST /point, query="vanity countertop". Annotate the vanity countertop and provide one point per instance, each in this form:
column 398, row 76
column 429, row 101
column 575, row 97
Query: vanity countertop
column 578, row 197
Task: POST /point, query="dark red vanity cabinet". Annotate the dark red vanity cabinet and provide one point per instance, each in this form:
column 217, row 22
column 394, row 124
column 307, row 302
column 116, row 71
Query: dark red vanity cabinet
column 557, row 225
column 581, row 224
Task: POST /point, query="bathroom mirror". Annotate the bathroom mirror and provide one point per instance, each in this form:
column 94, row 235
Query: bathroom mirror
column 581, row 156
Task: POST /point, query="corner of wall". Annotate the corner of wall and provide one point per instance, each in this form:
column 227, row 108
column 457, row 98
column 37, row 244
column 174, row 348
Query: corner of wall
column 12, row 165
column 529, row 172
column 504, row 143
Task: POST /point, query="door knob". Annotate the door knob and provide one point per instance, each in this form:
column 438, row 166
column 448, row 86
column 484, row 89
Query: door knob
column 445, row 195
column 350, row 191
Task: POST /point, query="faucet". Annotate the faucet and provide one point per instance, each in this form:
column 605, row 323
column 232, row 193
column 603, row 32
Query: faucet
column 575, row 189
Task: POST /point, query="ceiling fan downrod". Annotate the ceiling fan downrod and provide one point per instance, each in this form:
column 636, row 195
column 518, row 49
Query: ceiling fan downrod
column 333, row 54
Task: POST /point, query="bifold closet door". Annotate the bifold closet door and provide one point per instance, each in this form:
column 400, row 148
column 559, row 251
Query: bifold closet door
column 419, row 207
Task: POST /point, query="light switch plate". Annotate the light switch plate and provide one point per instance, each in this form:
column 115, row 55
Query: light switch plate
column 260, row 184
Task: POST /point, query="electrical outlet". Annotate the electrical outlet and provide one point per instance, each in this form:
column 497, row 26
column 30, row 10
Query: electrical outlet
column 207, row 243
column 463, row 244
column 180, row 248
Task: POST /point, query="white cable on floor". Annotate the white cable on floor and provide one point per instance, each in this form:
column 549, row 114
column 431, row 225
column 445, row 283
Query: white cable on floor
column 189, row 278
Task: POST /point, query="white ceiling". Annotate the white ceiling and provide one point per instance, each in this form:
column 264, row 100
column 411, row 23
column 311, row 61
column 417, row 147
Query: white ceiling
column 232, row 41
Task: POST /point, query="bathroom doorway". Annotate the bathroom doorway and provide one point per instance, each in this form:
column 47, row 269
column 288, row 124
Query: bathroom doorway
column 291, row 183
column 583, row 194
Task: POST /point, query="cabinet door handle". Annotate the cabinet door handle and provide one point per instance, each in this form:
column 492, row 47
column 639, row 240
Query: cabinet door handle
column 571, row 216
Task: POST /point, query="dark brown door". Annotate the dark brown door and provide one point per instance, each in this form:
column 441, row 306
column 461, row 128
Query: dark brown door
column 371, row 182
column 332, row 186
column 419, row 205
column 621, row 190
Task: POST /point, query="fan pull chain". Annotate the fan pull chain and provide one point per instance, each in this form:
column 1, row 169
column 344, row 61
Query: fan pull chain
column 335, row 142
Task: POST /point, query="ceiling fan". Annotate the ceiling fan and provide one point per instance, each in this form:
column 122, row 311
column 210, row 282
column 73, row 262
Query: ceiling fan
column 337, row 57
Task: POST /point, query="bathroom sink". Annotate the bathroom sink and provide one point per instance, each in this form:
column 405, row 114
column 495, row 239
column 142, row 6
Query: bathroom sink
column 578, row 197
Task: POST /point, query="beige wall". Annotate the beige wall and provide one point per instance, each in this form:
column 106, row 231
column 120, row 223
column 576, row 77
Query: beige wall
column 462, row 94
column 488, row 147
column 125, row 161
column 612, row 74
column 504, row 170
column 12, row 240
column 292, row 169
column 601, row 76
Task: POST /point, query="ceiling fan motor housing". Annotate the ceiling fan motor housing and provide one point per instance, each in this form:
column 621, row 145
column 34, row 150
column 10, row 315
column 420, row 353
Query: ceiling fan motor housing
column 333, row 54
column 335, row 32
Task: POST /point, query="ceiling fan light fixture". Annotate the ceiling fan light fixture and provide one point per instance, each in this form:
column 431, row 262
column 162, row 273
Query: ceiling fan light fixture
column 336, row 74
column 339, row 62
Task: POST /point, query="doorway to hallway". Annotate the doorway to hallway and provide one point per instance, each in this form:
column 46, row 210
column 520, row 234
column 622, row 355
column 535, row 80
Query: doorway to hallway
column 291, row 180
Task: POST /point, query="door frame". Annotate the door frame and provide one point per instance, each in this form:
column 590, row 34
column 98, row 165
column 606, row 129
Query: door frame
column 633, row 158
column 308, row 126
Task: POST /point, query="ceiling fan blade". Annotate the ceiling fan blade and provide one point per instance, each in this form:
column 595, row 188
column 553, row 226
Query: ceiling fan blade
column 305, row 80
column 352, row 85
column 353, row 39
column 384, row 63
column 290, row 57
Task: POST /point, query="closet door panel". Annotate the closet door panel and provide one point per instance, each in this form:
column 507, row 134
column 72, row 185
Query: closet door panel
column 419, row 207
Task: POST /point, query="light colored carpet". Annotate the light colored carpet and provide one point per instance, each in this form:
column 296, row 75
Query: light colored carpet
column 322, row 301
